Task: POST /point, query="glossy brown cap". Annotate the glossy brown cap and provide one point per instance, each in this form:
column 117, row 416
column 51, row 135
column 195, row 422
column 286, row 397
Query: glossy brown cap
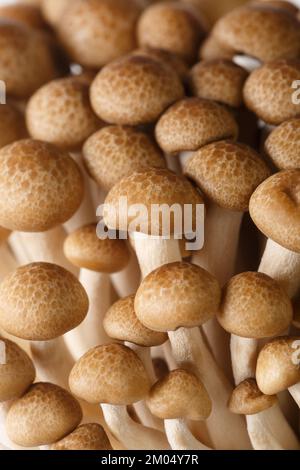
column 247, row 399
column 86, row 437
column 12, row 125
column 283, row 145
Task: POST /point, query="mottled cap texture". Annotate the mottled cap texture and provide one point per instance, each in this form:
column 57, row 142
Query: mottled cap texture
column 85, row 250
column 12, row 125
column 95, row 32
column 278, row 365
column 192, row 123
column 28, row 15
column 90, row 436
column 115, row 152
column 16, row 373
column 178, row 395
column 227, row 173
column 110, row 374
column 283, row 145
column 212, row 49
column 41, row 301
column 45, row 414
column 168, row 58
column 247, row 399
column 255, row 306
column 177, row 295
column 121, row 323
column 268, row 91
column 275, row 208
column 40, row 186
column 261, row 32
column 134, row 90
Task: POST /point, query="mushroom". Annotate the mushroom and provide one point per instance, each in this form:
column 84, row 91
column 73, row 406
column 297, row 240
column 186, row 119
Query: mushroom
column 266, row 427
column 211, row 49
column 89, row 436
column 178, row 397
column 12, row 125
column 167, row 57
column 283, row 145
column 114, row 376
column 53, row 10
column 29, row 15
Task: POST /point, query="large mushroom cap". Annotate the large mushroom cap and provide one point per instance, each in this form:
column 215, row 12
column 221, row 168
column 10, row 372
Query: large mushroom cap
column 227, row 173
column 193, row 122
column 40, row 186
column 134, row 90
column 179, row 395
column 275, row 208
column 45, row 414
column 85, row 250
column 110, row 374
column 121, row 323
column 16, row 373
column 283, row 145
column 247, row 399
column 255, row 306
column 177, row 295
column 12, row 125
column 86, row 437
column 41, row 301
column 115, row 152
column 278, row 365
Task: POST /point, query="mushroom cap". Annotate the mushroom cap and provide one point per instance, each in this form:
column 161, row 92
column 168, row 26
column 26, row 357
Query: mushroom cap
column 121, row 323
column 167, row 57
column 134, row 90
column 60, row 113
column 29, row 15
column 177, row 295
column 86, row 437
column 150, row 188
column 178, row 395
column 17, row 372
column 45, row 414
column 12, row 125
column 84, row 249
column 53, row 10
column 247, row 399
column 296, row 321
column 41, row 301
column 26, row 60
column 43, row 185
column 276, row 368
column 268, row 91
column 218, row 80
column 115, row 152
column 275, row 208
column 260, row 31
column 192, row 123
column 95, row 32
column 255, row 306
column 282, row 4
column 172, row 26
column 111, row 374
column 283, row 145
column 227, row 173
column 211, row 49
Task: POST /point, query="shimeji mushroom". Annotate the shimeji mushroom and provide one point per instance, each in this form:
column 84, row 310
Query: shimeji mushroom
column 96, row 259
column 89, row 436
column 40, row 302
column 178, row 397
column 115, row 377
column 211, row 49
column 173, row 60
column 267, row 428
column 283, row 145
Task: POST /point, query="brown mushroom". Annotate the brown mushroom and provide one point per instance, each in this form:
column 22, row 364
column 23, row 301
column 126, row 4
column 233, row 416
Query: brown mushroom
column 90, row 436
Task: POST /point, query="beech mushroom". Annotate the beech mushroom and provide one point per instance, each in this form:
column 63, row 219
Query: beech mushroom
column 90, row 436
column 283, row 145
column 169, row 58
column 211, row 49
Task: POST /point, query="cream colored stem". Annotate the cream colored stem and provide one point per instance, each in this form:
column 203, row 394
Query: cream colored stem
column 247, row 62
column 173, row 163
column 8, row 262
column 126, row 282
column 295, row 392
column 4, row 439
column 244, row 356
column 180, row 437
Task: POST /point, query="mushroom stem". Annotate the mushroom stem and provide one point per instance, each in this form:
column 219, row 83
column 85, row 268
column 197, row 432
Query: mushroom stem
column 247, row 62
column 180, row 437
column 295, row 392
column 244, row 356
column 126, row 282
column 8, row 262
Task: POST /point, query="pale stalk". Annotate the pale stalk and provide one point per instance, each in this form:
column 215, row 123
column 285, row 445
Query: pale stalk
column 8, row 262
column 180, row 437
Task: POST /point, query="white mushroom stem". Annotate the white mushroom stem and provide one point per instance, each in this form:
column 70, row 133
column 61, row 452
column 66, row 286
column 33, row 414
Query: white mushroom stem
column 247, row 62
column 180, row 437
column 295, row 392
column 127, row 281
column 132, row 435
column 8, row 262
column 4, row 439
column 244, row 353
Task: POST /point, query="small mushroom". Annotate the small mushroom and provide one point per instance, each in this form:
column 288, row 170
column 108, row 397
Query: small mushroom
column 283, row 145
column 90, row 436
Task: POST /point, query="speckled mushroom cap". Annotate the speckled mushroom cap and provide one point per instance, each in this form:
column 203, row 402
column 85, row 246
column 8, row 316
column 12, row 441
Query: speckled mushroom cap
column 227, row 173
column 296, row 320
column 26, row 61
column 115, row 152
column 167, row 57
column 134, row 90
column 121, row 323
column 278, row 365
column 268, row 91
column 30, row 15
column 218, row 80
column 211, row 49
column 172, row 26
column 43, row 185
column 275, row 208
column 45, row 414
column 60, row 113
column 12, row 125
column 95, row 32
column 110, row 374
column 54, row 9
column 261, row 32
column 84, row 249
column 247, row 399
column 177, row 295
column 193, row 122
column 283, row 145
column 150, row 187
column 16, row 373
column 86, row 437
column 179, row 395
column 254, row 306
column 41, row 301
